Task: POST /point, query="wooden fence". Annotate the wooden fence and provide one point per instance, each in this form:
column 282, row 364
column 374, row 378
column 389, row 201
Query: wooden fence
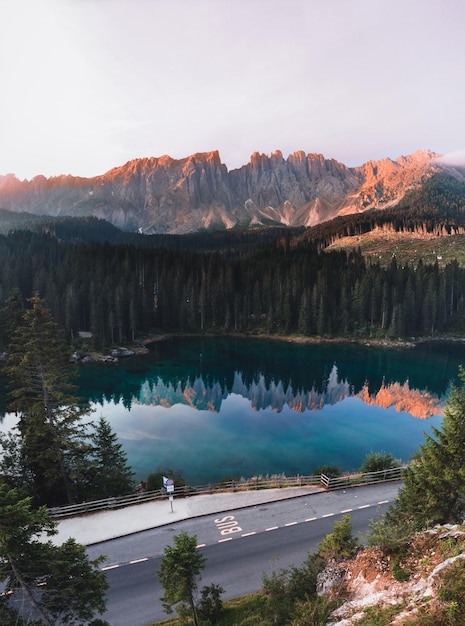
column 246, row 484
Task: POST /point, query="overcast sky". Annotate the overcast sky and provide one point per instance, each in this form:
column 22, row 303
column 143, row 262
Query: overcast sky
column 87, row 85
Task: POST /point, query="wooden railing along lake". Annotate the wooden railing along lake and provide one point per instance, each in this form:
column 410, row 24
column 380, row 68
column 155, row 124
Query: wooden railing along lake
column 245, row 484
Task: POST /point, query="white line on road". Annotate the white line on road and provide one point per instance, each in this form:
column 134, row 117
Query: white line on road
column 203, row 545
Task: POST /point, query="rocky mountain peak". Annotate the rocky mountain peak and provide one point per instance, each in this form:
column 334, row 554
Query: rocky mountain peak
column 166, row 195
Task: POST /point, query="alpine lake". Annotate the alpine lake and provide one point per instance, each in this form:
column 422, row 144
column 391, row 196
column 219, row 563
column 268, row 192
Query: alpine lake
column 226, row 408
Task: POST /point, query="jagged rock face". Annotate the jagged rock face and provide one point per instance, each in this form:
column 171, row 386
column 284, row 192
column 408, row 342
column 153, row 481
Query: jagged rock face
column 300, row 191
column 165, row 195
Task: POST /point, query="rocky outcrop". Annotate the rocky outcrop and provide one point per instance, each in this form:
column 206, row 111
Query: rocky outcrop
column 371, row 579
column 165, row 195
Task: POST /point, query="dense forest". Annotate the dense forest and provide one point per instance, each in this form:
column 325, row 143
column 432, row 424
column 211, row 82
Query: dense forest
column 122, row 292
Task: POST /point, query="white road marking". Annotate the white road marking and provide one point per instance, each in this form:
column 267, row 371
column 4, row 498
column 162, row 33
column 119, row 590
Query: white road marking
column 202, row 545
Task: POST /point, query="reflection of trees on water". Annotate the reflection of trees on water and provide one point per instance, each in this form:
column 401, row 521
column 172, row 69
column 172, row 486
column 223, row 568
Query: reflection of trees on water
column 276, row 395
column 265, row 393
column 196, row 394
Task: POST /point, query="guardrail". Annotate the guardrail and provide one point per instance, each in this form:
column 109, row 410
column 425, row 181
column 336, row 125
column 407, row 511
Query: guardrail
column 245, row 484
column 352, row 480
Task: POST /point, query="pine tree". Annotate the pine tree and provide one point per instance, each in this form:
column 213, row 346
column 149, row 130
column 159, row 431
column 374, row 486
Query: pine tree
column 10, row 316
column 54, row 440
column 72, row 588
column 434, row 482
column 111, row 474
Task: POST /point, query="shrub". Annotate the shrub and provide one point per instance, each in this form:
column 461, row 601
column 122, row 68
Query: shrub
column 155, row 479
column 315, row 612
column 379, row 616
column 211, row 605
column 340, row 543
column 285, row 588
column 378, row 461
column 453, row 584
column 389, row 538
column 399, row 573
column 331, row 471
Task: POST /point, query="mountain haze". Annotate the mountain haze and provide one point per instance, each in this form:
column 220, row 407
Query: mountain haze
column 165, row 195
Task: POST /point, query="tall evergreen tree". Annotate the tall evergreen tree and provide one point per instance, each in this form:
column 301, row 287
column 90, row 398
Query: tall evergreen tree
column 54, row 440
column 74, row 588
column 111, row 475
column 434, row 482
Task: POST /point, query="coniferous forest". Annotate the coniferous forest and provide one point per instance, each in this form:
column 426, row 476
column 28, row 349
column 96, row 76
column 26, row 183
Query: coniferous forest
column 273, row 282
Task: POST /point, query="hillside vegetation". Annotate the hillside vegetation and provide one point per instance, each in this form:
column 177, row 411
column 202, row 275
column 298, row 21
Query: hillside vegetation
column 423, row 584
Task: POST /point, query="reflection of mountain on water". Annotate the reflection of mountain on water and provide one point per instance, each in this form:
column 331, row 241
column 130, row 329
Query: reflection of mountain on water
column 417, row 403
column 276, row 396
column 202, row 396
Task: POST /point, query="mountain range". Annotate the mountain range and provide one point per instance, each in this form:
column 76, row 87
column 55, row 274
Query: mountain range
column 178, row 196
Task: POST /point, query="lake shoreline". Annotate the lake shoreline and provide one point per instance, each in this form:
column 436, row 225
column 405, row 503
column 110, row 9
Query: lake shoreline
column 300, row 339
column 142, row 346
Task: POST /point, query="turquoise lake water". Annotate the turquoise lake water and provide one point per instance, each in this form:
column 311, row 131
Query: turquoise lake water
column 216, row 408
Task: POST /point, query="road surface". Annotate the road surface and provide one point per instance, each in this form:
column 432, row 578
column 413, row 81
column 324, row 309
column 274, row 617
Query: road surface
column 240, row 545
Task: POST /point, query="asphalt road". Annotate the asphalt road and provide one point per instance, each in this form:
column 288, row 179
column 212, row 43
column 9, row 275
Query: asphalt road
column 239, row 545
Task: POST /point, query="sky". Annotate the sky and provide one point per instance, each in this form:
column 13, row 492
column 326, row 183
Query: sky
column 87, row 85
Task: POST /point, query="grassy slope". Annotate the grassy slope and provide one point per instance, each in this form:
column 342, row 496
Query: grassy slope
column 406, row 247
